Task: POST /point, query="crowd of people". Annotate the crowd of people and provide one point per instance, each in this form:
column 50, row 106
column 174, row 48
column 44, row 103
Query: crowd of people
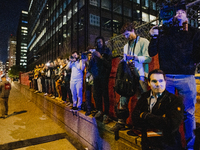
column 62, row 79
column 178, row 51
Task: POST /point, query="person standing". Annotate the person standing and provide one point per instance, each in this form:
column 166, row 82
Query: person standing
column 136, row 53
column 178, row 52
column 88, row 82
column 5, row 88
column 100, row 67
column 76, row 81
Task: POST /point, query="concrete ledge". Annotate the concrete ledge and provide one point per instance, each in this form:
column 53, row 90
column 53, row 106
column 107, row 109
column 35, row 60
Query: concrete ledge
column 93, row 134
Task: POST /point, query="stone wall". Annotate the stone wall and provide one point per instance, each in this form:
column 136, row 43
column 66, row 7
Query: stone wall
column 93, row 134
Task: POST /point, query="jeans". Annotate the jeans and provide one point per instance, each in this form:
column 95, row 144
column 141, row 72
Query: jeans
column 77, row 92
column 186, row 87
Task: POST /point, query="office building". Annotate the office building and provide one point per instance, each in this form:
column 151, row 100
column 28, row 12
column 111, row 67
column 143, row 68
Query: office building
column 12, row 51
column 22, row 33
column 58, row 27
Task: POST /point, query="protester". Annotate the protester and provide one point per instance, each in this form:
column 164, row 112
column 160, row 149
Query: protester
column 65, row 86
column 158, row 109
column 88, row 81
column 100, row 67
column 76, row 82
column 36, row 74
column 5, row 88
column 135, row 53
column 178, row 52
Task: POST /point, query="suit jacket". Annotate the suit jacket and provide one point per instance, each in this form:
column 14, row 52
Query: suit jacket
column 166, row 115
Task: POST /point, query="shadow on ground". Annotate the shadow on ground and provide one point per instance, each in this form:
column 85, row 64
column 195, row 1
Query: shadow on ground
column 34, row 141
column 17, row 113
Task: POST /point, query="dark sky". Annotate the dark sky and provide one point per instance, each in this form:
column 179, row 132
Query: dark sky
column 9, row 17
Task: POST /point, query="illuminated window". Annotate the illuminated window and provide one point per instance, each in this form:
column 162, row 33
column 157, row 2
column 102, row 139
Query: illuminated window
column 24, row 28
column 153, row 18
column 24, row 12
column 94, row 20
column 69, row 15
column 145, row 17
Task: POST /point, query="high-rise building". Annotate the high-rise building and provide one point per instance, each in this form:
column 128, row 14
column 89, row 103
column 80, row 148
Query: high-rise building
column 22, row 33
column 12, row 51
column 57, row 27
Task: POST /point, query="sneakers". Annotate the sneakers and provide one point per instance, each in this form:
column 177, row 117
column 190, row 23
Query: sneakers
column 36, row 91
column 79, row 109
column 74, row 108
column 117, row 127
column 45, row 94
column 88, row 113
column 3, row 117
column 98, row 114
column 70, row 105
column 106, row 119
column 53, row 97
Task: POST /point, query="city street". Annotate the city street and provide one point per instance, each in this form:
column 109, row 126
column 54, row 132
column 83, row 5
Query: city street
column 28, row 128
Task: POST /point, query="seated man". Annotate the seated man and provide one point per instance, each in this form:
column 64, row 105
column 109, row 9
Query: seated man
column 158, row 109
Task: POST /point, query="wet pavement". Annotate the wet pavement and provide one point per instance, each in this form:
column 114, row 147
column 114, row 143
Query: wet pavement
column 28, row 128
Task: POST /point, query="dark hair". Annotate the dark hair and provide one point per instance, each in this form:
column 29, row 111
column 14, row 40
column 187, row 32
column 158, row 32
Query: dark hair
column 156, row 71
column 127, row 27
column 90, row 47
column 75, row 52
column 100, row 37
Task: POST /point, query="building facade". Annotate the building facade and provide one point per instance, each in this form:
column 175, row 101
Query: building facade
column 22, row 33
column 58, row 27
column 12, row 51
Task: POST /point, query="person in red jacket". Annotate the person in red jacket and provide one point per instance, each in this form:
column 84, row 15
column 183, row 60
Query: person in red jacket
column 5, row 88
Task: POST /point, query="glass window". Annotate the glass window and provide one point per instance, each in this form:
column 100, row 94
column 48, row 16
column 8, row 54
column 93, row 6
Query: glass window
column 64, row 5
column 154, row 5
column 146, row 3
column 127, row 12
column 94, row 20
column 153, row 18
column 117, row 8
column 106, row 4
column 145, row 17
column 75, row 8
column 94, row 2
column 81, row 3
column 69, row 14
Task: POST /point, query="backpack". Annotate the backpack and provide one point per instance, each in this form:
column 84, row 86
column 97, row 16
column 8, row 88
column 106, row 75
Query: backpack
column 126, row 81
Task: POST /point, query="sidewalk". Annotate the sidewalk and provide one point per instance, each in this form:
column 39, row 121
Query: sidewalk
column 28, row 128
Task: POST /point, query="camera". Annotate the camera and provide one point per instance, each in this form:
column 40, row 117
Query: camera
column 71, row 57
column 92, row 50
column 84, row 55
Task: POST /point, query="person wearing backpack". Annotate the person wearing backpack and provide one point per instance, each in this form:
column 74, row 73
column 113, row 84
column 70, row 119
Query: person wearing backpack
column 5, row 88
column 137, row 57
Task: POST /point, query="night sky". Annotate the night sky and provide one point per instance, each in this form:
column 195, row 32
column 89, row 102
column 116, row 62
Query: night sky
column 9, row 18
